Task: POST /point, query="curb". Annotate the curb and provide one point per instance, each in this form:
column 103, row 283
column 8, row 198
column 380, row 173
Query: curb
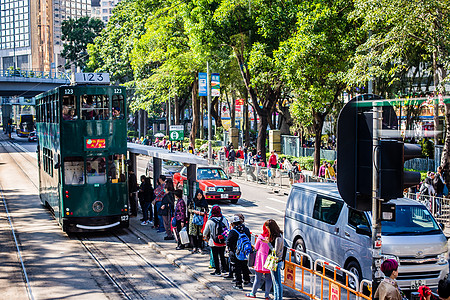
column 219, row 292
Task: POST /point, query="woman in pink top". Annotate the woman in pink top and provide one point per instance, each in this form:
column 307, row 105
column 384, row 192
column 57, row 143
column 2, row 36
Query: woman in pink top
column 262, row 251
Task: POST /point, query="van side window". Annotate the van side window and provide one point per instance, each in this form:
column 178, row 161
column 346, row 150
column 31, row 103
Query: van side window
column 327, row 210
column 356, row 218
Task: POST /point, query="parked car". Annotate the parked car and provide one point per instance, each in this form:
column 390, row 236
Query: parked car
column 320, row 223
column 168, row 168
column 32, row 137
column 214, row 183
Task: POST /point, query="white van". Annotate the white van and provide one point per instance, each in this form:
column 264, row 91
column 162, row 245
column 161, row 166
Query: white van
column 318, row 222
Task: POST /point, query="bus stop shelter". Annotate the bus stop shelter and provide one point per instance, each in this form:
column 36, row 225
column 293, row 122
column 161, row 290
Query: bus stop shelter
column 158, row 154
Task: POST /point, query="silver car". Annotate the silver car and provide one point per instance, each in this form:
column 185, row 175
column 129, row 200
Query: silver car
column 168, row 168
column 318, row 222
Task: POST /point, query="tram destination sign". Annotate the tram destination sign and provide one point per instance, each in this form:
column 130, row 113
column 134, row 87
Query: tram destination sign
column 176, row 132
column 91, row 78
column 95, row 144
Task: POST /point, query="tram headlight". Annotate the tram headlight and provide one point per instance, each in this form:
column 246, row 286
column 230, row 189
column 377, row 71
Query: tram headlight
column 97, row 206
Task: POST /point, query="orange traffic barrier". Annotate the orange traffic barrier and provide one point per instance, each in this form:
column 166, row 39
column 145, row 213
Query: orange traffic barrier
column 316, row 284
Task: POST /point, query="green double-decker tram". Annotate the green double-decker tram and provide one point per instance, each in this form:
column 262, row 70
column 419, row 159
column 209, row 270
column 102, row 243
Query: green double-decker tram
column 82, row 151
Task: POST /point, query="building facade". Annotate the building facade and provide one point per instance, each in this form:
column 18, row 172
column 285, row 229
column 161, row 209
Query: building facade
column 30, row 32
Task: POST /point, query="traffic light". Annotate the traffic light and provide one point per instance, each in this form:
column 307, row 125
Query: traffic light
column 354, row 155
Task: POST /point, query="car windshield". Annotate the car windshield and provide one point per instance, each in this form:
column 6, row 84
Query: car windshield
column 171, row 163
column 211, row 174
column 411, row 220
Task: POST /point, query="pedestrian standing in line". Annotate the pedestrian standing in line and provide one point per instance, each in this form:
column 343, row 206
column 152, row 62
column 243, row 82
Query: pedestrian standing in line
column 167, row 207
column 388, row 288
column 197, row 206
column 329, row 172
column 159, row 194
column 214, row 233
column 145, row 196
column 180, row 216
column 262, row 251
column 322, row 169
column 444, row 288
column 240, row 266
column 275, row 242
column 132, row 189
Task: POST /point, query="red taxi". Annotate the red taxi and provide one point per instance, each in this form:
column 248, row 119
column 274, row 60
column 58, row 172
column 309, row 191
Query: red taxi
column 214, row 183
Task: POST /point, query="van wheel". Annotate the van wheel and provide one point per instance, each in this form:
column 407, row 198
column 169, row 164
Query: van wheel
column 354, row 268
column 299, row 245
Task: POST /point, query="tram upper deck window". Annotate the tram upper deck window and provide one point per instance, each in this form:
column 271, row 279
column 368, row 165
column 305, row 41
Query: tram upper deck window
column 116, row 168
column 69, row 108
column 117, row 107
column 95, row 107
column 96, row 170
column 74, row 170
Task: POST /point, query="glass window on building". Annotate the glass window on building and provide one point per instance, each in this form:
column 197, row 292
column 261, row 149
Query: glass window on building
column 8, row 62
column 22, row 61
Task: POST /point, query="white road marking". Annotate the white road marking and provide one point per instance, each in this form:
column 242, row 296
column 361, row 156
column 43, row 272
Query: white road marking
column 277, row 200
column 276, row 210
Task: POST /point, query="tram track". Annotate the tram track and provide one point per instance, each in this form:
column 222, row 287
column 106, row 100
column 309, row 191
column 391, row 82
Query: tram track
column 13, row 232
column 119, row 276
column 122, row 285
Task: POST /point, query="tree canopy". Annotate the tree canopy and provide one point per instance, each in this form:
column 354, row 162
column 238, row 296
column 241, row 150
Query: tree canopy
column 76, row 35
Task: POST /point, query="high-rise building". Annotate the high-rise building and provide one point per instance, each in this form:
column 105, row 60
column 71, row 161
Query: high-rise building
column 30, row 31
column 103, row 9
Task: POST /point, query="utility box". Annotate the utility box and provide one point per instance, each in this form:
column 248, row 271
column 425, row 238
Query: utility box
column 234, row 137
column 275, row 140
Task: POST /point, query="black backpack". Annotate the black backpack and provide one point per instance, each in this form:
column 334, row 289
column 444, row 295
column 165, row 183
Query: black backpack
column 218, row 235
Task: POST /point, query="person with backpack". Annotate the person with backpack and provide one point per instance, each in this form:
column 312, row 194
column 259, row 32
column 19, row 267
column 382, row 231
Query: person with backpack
column 215, row 233
column 239, row 246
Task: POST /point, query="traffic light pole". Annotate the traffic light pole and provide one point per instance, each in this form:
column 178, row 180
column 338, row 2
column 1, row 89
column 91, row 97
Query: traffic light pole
column 376, row 201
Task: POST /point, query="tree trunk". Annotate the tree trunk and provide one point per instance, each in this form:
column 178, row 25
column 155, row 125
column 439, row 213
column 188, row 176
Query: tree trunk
column 318, row 125
column 215, row 112
column 195, row 112
column 246, row 121
column 262, row 135
column 176, row 111
column 232, row 104
column 255, row 123
column 445, row 158
column 168, row 113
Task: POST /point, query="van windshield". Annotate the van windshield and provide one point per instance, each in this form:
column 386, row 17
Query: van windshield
column 411, row 220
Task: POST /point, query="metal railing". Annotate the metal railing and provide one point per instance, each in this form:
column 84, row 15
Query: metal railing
column 274, row 178
column 35, row 74
column 438, row 206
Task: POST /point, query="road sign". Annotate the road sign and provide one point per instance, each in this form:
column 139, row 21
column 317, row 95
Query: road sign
column 202, row 84
column 176, row 132
column 335, row 292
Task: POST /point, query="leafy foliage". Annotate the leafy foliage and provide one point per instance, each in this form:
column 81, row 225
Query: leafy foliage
column 76, row 35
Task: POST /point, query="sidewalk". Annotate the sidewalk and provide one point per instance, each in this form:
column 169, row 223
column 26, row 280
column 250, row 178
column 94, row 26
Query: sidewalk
column 197, row 265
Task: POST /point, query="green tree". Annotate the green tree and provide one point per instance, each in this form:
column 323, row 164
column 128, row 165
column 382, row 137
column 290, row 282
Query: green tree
column 76, row 35
column 315, row 61
column 399, row 27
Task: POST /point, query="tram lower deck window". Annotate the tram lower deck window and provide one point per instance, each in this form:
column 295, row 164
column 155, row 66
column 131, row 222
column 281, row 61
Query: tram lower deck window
column 116, row 168
column 96, row 170
column 73, row 170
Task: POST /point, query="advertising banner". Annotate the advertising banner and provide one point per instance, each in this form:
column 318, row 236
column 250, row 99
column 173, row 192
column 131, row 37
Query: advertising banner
column 202, row 84
column 215, row 85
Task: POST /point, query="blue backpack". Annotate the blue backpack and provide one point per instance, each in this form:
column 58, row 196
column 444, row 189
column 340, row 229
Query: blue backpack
column 243, row 246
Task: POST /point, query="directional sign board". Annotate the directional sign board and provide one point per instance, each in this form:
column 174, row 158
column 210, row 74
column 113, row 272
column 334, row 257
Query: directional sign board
column 176, row 132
